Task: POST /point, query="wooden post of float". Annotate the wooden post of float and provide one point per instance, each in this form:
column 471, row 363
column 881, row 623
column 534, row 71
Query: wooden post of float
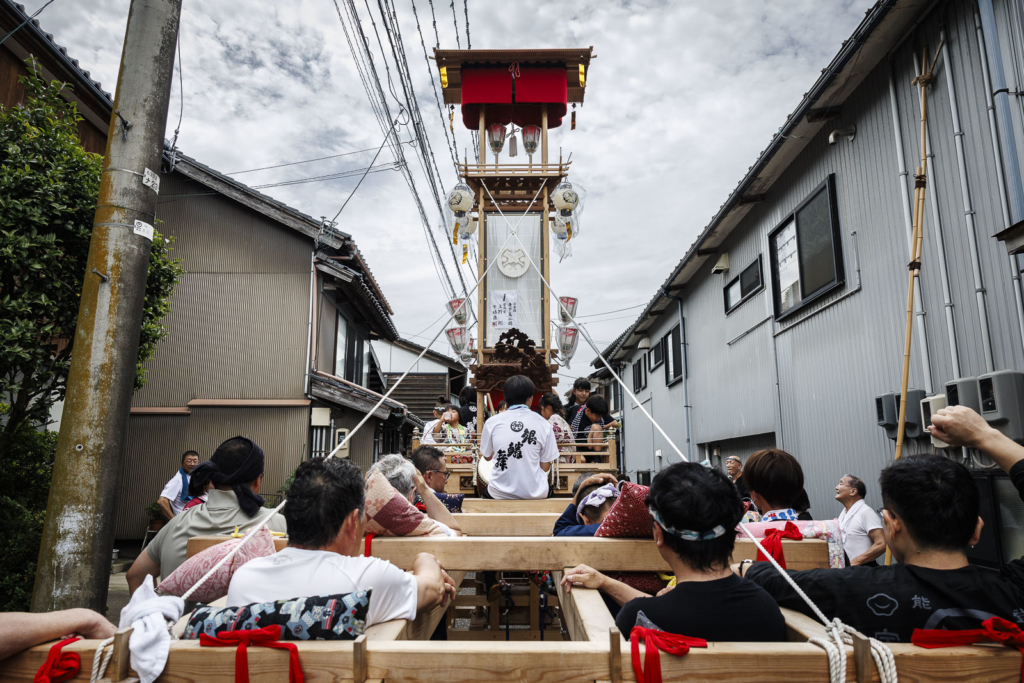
column 544, row 136
column 545, row 259
column 483, row 135
column 481, row 295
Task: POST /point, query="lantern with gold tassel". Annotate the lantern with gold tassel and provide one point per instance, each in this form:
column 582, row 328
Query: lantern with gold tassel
column 460, row 201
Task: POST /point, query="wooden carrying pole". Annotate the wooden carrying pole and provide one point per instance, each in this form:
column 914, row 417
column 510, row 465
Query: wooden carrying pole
column 920, row 185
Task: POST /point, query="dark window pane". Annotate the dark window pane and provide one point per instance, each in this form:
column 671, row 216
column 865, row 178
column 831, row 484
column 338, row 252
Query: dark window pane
column 677, row 353
column 814, row 234
column 750, row 279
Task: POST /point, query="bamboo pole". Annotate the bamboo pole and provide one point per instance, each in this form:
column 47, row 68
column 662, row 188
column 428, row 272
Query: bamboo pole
column 917, row 239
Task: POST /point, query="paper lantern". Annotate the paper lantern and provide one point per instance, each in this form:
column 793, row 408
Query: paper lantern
column 458, row 337
column 567, row 310
column 460, row 311
column 565, row 198
column 567, row 339
column 496, row 137
column 531, row 139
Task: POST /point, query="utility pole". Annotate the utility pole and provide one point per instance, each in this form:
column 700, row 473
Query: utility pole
column 75, row 556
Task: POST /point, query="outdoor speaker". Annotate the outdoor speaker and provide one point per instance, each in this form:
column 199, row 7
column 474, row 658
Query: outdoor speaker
column 963, row 392
column 888, row 415
column 1002, row 401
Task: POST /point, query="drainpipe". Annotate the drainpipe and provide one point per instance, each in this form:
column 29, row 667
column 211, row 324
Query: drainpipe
column 901, row 180
column 1004, row 202
column 965, row 192
column 309, row 322
column 1001, row 95
column 940, row 245
column 686, row 394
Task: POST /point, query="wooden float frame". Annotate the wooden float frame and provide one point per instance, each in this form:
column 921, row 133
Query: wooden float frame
column 597, row 652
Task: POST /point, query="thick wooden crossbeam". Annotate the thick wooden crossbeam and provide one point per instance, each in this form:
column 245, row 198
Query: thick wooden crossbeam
column 497, row 524
column 505, row 553
column 561, row 662
column 512, row 507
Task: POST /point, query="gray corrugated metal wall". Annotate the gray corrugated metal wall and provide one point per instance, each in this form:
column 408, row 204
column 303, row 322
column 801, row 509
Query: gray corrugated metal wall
column 155, row 444
column 238, row 320
column 833, row 362
column 237, row 329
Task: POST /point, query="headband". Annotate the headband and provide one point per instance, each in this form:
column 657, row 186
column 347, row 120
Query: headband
column 596, row 498
column 686, row 534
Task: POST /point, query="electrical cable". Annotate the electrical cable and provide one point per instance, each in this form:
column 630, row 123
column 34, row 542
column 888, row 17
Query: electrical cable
column 452, row 145
column 307, row 161
column 375, row 93
column 379, row 149
column 617, row 310
column 465, row 8
column 390, row 166
column 455, row 20
column 18, row 27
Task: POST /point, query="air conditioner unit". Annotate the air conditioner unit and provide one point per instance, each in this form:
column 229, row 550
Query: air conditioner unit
column 339, row 436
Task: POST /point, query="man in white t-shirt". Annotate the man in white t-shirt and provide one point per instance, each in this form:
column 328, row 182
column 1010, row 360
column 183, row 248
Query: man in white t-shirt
column 325, row 537
column 860, row 526
column 522, row 445
column 173, row 498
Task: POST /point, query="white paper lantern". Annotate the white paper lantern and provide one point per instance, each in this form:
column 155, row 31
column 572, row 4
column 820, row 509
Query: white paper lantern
column 458, row 337
column 460, row 199
column 567, row 339
column 567, row 309
column 565, row 198
column 459, row 311
column 467, row 228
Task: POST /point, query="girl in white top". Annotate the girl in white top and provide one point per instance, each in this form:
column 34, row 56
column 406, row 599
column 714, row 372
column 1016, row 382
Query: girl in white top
column 522, row 445
column 551, row 410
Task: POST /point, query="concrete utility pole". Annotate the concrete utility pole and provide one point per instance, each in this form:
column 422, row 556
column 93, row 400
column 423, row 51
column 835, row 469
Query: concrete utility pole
column 74, row 559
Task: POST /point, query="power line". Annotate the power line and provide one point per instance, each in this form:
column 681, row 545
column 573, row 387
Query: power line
column 430, row 72
column 382, row 143
column 455, row 20
column 390, row 166
column 465, row 7
column 378, row 102
column 305, row 161
column 617, row 310
column 18, row 27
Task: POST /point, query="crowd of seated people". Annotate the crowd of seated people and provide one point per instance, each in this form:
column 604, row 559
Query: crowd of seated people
column 930, row 517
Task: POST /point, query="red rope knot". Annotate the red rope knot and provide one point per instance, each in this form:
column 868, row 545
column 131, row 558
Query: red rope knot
column 514, row 69
column 773, row 542
column 995, row 630
column 59, row 666
column 268, row 636
column 656, row 640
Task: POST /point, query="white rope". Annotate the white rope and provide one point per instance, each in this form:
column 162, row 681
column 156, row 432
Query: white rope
column 369, row 413
column 840, row 634
column 100, row 667
column 586, row 336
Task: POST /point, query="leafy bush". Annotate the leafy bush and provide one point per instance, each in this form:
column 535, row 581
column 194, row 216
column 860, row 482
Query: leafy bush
column 49, row 188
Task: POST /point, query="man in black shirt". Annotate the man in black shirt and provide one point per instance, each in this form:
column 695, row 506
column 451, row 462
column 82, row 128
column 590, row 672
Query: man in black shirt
column 695, row 511
column 929, row 518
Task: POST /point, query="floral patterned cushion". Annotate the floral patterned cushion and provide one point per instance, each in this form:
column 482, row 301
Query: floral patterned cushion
column 389, row 513
column 326, row 617
column 194, row 568
column 628, row 516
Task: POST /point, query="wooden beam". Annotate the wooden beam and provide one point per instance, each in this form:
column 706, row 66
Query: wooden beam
column 508, row 507
column 552, row 554
column 249, row 402
column 496, row 524
column 514, row 553
column 586, row 615
column 550, row 661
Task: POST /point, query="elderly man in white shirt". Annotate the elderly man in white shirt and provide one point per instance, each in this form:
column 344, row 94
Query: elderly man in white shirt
column 174, row 496
column 860, row 526
column 323, row 557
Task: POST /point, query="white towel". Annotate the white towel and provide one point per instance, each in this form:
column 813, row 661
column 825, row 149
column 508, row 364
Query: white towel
column 147, row 614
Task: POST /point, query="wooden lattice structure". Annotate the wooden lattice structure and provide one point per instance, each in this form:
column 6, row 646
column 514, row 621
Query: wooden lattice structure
column 587, row 647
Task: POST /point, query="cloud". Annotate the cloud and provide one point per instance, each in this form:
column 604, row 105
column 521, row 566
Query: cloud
column 680, row 101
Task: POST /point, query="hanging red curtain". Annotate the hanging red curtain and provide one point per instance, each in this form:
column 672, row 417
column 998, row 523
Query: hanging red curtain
column 517, row 101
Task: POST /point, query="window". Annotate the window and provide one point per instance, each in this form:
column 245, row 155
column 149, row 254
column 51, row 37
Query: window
column 366, row 364
column 341, row 347
column 673, row 354
column 806, row 251
column 657, row 355
column 640, row 374
column 743, row 286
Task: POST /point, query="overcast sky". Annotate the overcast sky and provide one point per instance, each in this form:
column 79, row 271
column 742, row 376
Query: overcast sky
column 680, row 100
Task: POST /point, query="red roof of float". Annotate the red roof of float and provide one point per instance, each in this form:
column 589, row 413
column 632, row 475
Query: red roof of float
column 513, row 83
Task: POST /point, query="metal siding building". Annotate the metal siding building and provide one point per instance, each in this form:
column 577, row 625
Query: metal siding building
column 807, row 382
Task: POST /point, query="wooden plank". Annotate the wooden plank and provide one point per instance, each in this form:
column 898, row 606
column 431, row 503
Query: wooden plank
column 553, row 635
column 548, row 662
column 425, row 623
column 801, row 627
column 552, row 554
column 507, row 553
column 497, row 524
column 513, row 506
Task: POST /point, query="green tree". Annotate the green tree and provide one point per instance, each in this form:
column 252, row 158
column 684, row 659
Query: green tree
column 48, row 193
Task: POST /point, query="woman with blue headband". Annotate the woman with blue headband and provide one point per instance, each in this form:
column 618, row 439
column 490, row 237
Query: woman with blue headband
column 695, row 511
